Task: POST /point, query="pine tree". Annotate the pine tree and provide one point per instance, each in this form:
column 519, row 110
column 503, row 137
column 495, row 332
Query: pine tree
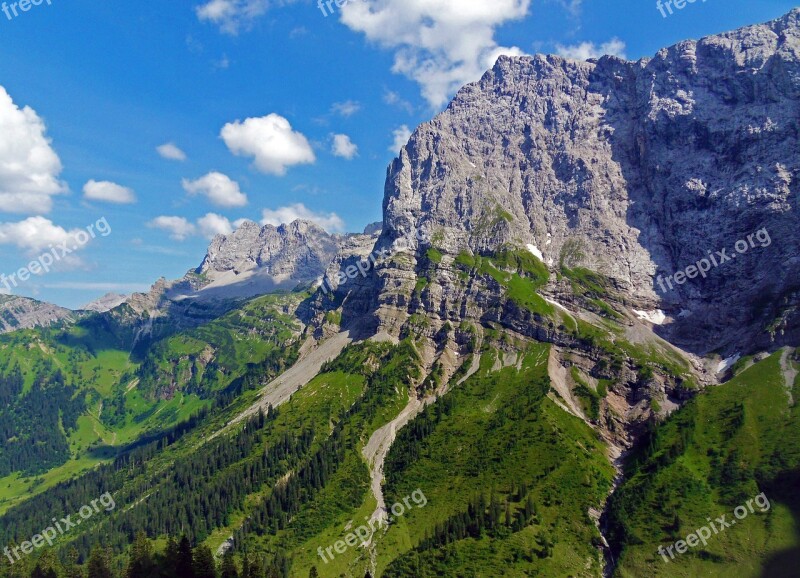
column 185, row 563
column 313, row 573
column 99, row 566
column 169, row 563
column 47, row 566
column 72, row 569
column 229, row 569
column 256, row 568
column 204, row 566
column 245, row 566
column 140, row 563
column 40, row 572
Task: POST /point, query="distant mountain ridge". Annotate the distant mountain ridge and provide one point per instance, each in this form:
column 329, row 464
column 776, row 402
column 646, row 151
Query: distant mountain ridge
column 25, row 313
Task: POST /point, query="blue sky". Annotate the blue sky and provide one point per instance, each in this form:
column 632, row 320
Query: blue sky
column 273, row 110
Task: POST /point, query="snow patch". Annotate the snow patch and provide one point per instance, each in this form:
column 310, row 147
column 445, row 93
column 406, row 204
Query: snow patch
column 725, row 364
column 535, row 250
column 655, row 317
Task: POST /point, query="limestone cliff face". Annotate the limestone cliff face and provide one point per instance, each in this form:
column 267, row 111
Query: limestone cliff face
column 296, row 252
column 23, row 313
column 645, row 166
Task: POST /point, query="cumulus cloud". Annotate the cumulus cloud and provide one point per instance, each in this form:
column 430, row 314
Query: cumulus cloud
column 212, row 225
column 440, row 44
column 29, row 167
column 347, row 108
column 343, row 147
column 171, row 152
column 218, row 188
column 178, row 228
column 587, row 50
column 232, row 15
column 35, row 235
column 331, row 222
column 271, row 141
column 108, row 192
column 401, row 136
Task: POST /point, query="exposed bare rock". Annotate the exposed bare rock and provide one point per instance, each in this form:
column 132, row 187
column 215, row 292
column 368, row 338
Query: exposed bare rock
column 105, row 303
column 24, row 313
column 646, row 167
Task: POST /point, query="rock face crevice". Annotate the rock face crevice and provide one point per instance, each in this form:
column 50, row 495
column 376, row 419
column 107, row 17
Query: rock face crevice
column 646, row 166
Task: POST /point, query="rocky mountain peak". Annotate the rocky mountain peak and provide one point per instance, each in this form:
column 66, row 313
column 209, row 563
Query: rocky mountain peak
column 648, row 167
column 24, row 313
column 296, row 252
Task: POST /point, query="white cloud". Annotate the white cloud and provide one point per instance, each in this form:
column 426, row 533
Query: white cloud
column 401, row 136
column 587, row 50
column 29, row 167
column 440, row 44
column 35, row 235
column 271, row 141
column 331, row 222
column 108, row 192
column 344, row 147
column 218, row 188
column 171, row 152
column 177, row 227
column 232, row 15
column 180, row 228
column 212, row 225
column 347, row 108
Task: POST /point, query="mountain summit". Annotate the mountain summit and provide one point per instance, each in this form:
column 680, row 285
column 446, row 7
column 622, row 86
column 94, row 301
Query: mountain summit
column 635, row 170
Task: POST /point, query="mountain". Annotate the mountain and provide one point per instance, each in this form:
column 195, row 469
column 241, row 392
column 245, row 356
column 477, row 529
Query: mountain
column 492, row 381
column 636, row 170
column 105, row 303
column 255, row 260
column 23, row 313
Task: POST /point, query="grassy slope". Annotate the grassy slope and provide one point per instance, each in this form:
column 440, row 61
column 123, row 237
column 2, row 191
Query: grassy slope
column 489, row 444
column 97, row 362
column 728, row 445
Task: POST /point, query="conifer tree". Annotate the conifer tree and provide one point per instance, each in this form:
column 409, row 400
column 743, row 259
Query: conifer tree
column 169, row 562
column 99, row 564
column 140, row 562
column 256, row 568
column 204, row 566
column 72, row 569
column 185, row 562
column 229, row 569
